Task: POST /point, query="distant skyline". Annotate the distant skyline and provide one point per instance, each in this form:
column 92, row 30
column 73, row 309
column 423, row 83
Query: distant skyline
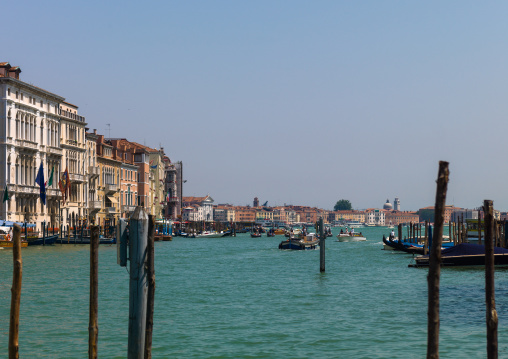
column 292, row 102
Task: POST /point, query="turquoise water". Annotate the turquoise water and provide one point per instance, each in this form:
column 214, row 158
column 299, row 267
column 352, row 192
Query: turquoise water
column 244, row 298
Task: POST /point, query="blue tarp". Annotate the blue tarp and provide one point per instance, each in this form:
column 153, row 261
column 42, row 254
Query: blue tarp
column 468, row 249
column 10, row 224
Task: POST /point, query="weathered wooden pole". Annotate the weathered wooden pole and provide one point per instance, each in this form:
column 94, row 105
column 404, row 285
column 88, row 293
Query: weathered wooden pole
column 399, row 229
column 426, row 240
column 479, row 227
column 488, row 210
column 138, row 284
column 150, row 272
column 435, row 263
column 322, row 238
column 505, row 234
column 16, row 294
column 93, row 323
column 43, row 233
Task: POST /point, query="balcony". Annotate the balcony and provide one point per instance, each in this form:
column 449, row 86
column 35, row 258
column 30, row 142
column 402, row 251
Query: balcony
column 52, row 192
column 94, row 171
column 71, row 116
column 111, row 210
column 54, row 150
column 76, row 177
column 27, row 144
column 23, row 189
column 173, row 200
column 128, row 209
column 111, row 188
column 94, row 206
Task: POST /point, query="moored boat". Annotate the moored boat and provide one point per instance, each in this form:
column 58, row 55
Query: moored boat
column 9, row 244
column 6, row 238
column 40, row 241
column 465, row 254
column 84, row 240
column 163, row 237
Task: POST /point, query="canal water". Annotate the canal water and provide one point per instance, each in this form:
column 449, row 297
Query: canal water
column 244, row 298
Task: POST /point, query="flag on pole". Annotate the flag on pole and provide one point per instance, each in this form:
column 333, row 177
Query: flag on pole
column 50, row 181
column 6, row 194
column 64, row 184
column 40, row 181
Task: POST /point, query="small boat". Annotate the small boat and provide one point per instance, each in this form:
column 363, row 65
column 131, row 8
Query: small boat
column 210, row 234
column 255, row 235
column 351, row 237
column 409, row 247
column 354, row 224
column 162, row 237
column 279, row 231
column 6, row 238
column 84, row 240
column 40, row 241
column 310, row 241
column 270, row 233
column 402, row 246
column 465, row 254
column 9, row 244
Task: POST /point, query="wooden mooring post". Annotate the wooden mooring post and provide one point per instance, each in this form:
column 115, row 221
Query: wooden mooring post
column 435, row 263
column 490, row 300
column 138, row 284
column 16, row 294
column 150, row 273
column 322, row 239
column 93, row 323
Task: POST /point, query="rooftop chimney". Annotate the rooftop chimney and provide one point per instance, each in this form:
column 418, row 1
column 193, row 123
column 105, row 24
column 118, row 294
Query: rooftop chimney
column 14, row 72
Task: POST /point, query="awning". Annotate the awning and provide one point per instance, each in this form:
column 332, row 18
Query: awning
column 112, row 199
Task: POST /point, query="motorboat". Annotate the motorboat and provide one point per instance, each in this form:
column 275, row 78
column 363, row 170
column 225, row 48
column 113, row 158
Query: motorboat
column 351, row 237
column 310, row 241
column 210, row 234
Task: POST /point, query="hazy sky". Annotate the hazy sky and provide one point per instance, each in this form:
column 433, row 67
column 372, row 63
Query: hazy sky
column 297, row 102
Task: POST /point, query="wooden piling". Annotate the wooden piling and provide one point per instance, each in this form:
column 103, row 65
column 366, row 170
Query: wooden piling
column 490, row 300
column 479, row 227
column 93, row 323
column 138, row 285
column 17, row 275
column 426, row 239
column 322, row 238
column 150, row 275
column 399, row 230
column 435, row 264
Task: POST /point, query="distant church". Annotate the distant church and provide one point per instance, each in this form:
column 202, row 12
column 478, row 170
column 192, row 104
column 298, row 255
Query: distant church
column 396, row 205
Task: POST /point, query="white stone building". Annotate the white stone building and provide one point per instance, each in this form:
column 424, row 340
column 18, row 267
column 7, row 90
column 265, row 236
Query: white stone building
column 29, row 135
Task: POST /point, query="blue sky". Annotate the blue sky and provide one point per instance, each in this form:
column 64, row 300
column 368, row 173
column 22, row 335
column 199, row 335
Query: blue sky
column 297, row 102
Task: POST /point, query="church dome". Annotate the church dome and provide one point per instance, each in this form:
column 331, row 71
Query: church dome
column 388, row 205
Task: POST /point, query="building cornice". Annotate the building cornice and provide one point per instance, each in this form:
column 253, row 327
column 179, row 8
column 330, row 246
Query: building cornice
column 35, row 89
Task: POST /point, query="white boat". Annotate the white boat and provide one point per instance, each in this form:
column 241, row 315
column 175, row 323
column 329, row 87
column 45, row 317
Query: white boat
column 212, row 234
column 351, row 237
column 354, row 225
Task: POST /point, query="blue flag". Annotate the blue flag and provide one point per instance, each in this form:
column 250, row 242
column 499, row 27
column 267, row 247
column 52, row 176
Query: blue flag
column 40, row 181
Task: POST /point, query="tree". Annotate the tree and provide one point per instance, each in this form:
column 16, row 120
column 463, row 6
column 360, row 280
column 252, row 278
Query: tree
column 342, row 205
